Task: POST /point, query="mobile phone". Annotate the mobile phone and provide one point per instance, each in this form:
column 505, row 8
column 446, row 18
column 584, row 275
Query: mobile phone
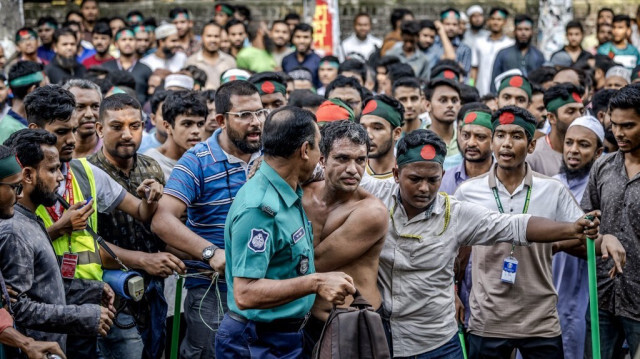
column 88, row 200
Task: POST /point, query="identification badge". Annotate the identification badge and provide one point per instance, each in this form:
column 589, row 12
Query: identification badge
column 303, row 266
column 509, row 268
column 69, row 264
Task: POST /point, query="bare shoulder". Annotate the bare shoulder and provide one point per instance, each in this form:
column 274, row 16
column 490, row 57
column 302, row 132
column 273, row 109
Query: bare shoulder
column 371, row 208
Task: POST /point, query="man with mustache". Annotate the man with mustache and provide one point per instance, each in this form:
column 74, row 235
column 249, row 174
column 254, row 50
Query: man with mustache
column 88, row 98
column 514, row 91
column 181, row 18
column 600, row 109
column 237, row 31
column 168, row 56
column 337, row 208
column 257, row 57
column 101, row 41
column 280, row 34
column 508, row 278
column 522, row 55
column 583, row 145
column 204, row 183
column 443, row 104
column 210, row 59
column 64, row 65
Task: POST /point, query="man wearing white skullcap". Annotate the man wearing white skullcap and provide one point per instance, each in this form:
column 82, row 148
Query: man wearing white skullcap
column 177, row 82
column 617, row 77
column 476, row 26
column 169, row 55
column 583, row 144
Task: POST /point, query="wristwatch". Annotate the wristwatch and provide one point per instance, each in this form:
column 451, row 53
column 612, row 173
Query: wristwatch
column 208, row 253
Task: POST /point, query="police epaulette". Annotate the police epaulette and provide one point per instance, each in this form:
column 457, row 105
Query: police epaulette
column 267, row 210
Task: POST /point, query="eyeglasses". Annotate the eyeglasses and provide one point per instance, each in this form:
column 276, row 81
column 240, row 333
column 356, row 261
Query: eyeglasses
column 14, row 186
column 247, row 116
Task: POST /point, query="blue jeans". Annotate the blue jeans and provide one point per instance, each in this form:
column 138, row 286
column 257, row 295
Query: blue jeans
column 199, row 340
column 613, row 332
column 122, row 343
column 243, row 340
column 449, row 350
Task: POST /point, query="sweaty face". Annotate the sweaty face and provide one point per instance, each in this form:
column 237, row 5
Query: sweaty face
column 245, row 134
column 9, row 195
column 350, row 96
column 362, row 26
column 380, row 134
column 419, row 183
column 302, row 41
column 475, row 143
column 574, row 37
column 513, row 96
column 86, row 112
column 47, row 178
column 426, row 38
column 121, row 132
column 327, row 73
column 65, row 131
column 509, row 145
column 344, row 165
column 273, row 101
column 445, row 104
column 186, row 131
column 580, row 148
column 211, row 39
column 625, row 124
column 237, row 35
column 280, row 34
column 410, row 98
column 66, row 46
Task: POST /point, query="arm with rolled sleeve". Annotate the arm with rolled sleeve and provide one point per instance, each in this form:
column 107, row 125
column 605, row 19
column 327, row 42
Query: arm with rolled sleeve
column 479, row 226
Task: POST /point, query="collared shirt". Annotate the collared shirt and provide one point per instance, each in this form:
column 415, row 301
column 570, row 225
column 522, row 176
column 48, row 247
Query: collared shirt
column 119, row 227
column 223, row 63
column 416, row 276
column 195, row 44
column 618, row 197
column 268, row 235
column 544, row 159
column 452, row 178
column 311, row 61
column 463, row 52
column 487, row 49
column 207, row 181
column 512, row 58
column 418, row 61
column 364, row 48
column 571, row 280
column 368, row 172
column 496, row 307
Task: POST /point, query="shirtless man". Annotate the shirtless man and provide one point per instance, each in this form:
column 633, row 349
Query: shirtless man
column 349, row 224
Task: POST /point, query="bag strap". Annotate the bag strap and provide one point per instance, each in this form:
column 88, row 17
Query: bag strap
column 359, row 301
column 82, row 178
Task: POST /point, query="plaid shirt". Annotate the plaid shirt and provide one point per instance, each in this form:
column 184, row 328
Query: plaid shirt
column 118, row 227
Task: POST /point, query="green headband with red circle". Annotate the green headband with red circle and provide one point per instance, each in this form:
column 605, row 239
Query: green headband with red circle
column 379, row 108
column 25, row 34
column 516, row 81
column 334, row 110
column 558, row 102
column 269, row 87
column 421, row 153
column 510, row 118
column 479, row 118
column 225, row 9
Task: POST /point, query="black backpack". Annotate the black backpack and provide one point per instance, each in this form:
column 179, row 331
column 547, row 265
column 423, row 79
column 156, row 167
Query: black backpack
column 353, row 332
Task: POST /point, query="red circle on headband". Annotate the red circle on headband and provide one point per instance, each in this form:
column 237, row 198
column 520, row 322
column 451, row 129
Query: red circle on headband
column 218, row 8
column 507, row 118
column 428, row 152
column 516, row 81
column 448, row 74
column 470, row 117
column 576, row 97
column 268, row 87
column 370, row 107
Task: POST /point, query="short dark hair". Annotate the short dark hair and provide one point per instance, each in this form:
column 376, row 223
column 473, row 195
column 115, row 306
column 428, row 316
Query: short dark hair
column 244, row 11
column 399, row 70
column 563, row 91
column 605, row 9
column 410, row 28
column 343, row 81
column 224, row 93
column 187, row 103
column 472, row 106
column 65, row 31
column 420, row 137
column 86, row 1
column 337, row 130
column 574, row 24
column 27, row 144
column 398, row 14
column 305, row 98
column 199, row 76
column 121, row 78
column 48, row 104
column 47, row 20
column 600, row 101
column 604, row 63
column 102, row 28
column 177, row 11
column 499, row 8
column 410, row 82
column 72, row 12
column 211, row 23
column 234, row 22
column 158, row 98
column 622, row 18
column 431, row 87
column 208, row 95
column 536, row 89
column 281, row 22
column 626, row 98
column 520, row 112
column 468, row 94
column 22, row 68
column 286, row 130
column 117, row 102
column 428, row 24
column 302, row 27
column 391, row 101
column 149, row 21
column 387, row 61
column 361, row 14
column 292, row 16
column 330, row 58
column 542, row 74
column 488, row 97
column 353, row 65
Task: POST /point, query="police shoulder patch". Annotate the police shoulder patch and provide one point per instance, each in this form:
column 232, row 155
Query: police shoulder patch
column 268, row 210
column 297, row 235
column 258, row 240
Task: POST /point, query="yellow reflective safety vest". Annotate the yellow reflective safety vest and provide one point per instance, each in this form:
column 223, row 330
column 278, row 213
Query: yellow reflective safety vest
column 79, row 242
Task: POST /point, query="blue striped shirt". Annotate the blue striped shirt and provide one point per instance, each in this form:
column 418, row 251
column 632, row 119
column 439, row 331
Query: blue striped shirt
column 207, row 180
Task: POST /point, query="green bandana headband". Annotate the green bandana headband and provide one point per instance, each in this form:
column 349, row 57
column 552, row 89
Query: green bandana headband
column 181, row 16
column 446, row 74
column 225, row 9
column 123, row 32
column 556, row 103
column 509, row 118
column 269, row 87
column 379, row 108
column 330, row 63
column 500, row 12
column 51, row 25
column 447, row 13
column 422, row 153
column 9, row 166
column 525, row 21
column 477, row 118
column 25, row 34
column 516, row 81
column 134, row 19
column 34, row 78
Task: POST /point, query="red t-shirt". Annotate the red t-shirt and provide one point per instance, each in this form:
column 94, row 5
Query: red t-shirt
column 93, row 61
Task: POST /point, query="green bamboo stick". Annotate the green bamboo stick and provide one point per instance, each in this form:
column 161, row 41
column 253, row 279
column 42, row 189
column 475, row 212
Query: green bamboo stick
column 175, row 333
column 593, row 296
column 462, row 343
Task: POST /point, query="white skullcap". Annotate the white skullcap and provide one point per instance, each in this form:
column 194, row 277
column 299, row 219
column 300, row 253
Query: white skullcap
column 504, row 75
column 474, row 9
column 165, row 30
column 234, row 74
column 619, row 71
column 591, row 123
column 179, row 80
column 464, row 17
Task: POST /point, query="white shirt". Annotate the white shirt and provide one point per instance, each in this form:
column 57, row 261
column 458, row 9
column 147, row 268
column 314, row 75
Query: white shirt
column 174, row 64
column 165, row 162
column 483, row 56
column 416, row 276
column 363, row 47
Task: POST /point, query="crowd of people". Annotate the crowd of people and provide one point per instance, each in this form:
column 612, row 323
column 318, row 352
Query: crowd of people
column 449, row 172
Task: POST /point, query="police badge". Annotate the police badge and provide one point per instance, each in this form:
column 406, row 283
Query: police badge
column 258, row 240
column 303, row 266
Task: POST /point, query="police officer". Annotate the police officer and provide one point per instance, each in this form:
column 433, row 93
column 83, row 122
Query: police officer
column 269, row 257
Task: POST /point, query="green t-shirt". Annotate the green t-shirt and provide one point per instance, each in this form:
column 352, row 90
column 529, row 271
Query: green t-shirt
column 267, row 235
column 255, row 60
column 627, row 57
column 9, row 125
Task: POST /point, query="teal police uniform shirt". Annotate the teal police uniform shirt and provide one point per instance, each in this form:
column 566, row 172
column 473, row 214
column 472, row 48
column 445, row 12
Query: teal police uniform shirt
column 267, row 235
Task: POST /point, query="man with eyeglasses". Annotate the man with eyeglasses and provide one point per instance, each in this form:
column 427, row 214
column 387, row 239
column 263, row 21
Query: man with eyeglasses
column 204, row 182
